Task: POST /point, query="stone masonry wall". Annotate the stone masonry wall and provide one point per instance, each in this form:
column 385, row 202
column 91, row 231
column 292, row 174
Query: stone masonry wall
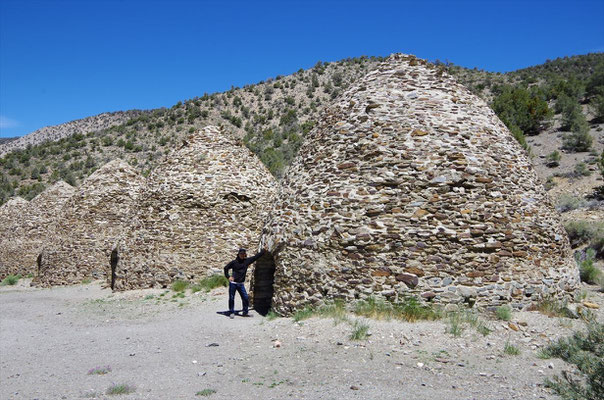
column 15, row 221
column 89, row 225
column 202, row 203
column 410, row 184
column 26, row 229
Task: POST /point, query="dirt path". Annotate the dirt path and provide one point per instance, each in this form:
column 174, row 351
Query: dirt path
column 171, row 348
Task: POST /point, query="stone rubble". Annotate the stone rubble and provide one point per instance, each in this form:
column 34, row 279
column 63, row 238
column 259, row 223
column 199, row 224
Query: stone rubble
column 88, row 226
column 203, row 202
column 411, row 185
column 24, row 229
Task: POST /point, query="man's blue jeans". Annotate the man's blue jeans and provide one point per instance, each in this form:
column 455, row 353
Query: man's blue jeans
column 239, row 287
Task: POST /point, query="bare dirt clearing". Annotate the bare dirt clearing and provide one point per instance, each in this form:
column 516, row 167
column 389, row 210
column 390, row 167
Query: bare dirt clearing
column 172, row 347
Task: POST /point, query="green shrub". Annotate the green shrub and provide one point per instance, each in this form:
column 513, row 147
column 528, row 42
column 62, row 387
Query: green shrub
column 577, row 141
column 553, row 159
column 335, row 310
column 552, row 308
column 10, row 280
column 288, row 118
column 456, row 324
column 99, row 370
column 409, row 309
column 580, row 232
column 180, row 286
column 504, row 313
column 564, row 104
column 599, row 191
column 35, row 174
column 510, row 349
column 122, row 388
column 584, row 349
column 28, row 192
column 581, row 169
column 374, row 308
column 518, row 107
column 571, row 115
column 213, row 281
column 305, row 313
column 272, row 315
column 205, row 392
column 458, row 321
column 587, row 232
column 567, row 202
column 307, row 126
column 360, row 330
column 519, row 136
column 597, row 106
column 549, row 183
column 274, row 160
column 588, row 271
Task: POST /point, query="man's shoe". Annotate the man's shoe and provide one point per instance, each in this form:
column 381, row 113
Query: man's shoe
column 246, row 315
column 232, row 315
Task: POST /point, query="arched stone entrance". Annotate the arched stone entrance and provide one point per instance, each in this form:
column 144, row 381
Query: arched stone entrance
column 262, row 284
column 114, row 260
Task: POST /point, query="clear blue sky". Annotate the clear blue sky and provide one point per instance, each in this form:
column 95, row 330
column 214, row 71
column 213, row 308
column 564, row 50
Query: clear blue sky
column 63, row 60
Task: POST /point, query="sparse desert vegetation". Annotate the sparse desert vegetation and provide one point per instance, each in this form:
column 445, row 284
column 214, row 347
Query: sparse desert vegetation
column 99, row 370
column 10, row 280
column 584, row 350
column 120, row 388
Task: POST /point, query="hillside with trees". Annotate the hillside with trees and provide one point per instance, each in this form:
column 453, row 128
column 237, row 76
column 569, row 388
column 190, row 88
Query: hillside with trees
column 556, row 107
column 271, row 117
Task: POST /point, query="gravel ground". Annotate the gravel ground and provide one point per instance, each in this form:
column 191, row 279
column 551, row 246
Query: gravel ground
column 174, row 347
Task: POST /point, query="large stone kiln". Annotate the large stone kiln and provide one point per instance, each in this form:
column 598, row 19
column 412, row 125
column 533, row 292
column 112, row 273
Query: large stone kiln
column 25, row 229
column 89, row 225
column 15, row 221
column 410, row 184
column 203, row 202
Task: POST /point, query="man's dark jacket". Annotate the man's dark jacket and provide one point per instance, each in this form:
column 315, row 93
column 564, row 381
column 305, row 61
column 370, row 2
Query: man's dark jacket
column 239, row 267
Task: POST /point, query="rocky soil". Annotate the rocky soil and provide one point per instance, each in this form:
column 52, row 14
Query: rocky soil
column 174, row 347
column 564, row 182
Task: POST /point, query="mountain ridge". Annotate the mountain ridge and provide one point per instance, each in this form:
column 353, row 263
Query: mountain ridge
column 271, row 117
column 56, row 132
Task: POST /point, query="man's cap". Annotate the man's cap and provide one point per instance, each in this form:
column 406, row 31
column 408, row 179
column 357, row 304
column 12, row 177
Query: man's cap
column 242, row 251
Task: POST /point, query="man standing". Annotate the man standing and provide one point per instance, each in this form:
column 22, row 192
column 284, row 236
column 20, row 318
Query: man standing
column 236, row 281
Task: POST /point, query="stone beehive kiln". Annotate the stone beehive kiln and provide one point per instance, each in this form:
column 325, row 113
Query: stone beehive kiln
column 50, row 201
column 199, row 205
column 411, row 185
column 26, row 229
column 15, row 223
column 88, row 226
